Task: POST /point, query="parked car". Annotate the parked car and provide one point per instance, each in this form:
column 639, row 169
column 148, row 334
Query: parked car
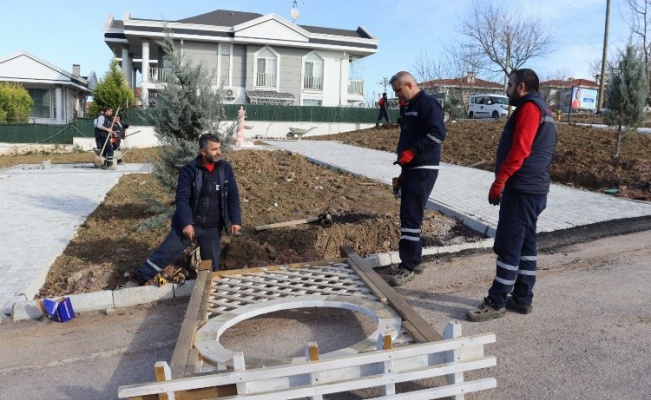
column 487, row 106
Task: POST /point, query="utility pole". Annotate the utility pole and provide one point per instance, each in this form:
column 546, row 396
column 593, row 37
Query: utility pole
column 385, row 83
column 603, row 60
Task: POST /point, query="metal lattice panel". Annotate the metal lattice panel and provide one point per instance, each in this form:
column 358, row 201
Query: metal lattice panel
column 228, row 292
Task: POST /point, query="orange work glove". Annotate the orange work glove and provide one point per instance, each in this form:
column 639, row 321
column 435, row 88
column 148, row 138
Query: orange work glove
column 495, row 192
column 405, row 157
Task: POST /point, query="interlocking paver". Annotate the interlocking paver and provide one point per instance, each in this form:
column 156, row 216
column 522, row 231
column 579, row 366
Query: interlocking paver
column 42, row 209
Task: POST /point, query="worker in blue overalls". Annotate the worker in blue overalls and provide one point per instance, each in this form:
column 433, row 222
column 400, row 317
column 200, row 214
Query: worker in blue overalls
column 520, row 188
column 419, row 152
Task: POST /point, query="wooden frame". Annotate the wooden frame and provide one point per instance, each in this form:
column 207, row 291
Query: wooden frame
column 408, row 351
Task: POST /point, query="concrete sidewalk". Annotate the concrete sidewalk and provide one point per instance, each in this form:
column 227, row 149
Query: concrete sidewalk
column 42, row 207
column 462, row 192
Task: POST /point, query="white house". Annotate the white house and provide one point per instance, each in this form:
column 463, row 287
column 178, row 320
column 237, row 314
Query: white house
column 59, row 96
column 255, row 58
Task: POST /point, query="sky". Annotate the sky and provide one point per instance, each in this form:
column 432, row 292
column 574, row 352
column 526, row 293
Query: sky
column 67, row 32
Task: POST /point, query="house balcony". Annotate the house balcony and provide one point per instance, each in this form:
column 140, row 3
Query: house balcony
column 265, row 80
column 356, row 87
column 159, row 74
column 313, row 82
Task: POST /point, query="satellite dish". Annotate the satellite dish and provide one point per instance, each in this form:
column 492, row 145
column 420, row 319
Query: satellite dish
column 294, row 13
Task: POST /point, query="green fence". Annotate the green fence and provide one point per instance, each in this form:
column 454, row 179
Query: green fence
column 46, row 134
column 63, row 134
column 266, row 112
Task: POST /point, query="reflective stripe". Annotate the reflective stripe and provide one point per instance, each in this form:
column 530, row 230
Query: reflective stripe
column 409, row 230
column 411, row 114
column 504, row 281
column 412, row 238
column 506, row 266
column 426, row 167
column 151, row 264
column 524, row 272
column 434, row 138
column 548, row 119
column 529, row 258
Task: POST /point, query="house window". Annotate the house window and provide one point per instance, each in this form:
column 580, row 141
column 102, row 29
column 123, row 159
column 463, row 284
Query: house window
column 225, row 64
column 313, row 77
column 266, row 68
column 312, row 102
column 43, row 103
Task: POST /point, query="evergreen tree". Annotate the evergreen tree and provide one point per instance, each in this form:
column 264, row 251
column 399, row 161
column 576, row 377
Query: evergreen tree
column 187, row 106
column 626, row 95
column 112, row 91
column 15, row 103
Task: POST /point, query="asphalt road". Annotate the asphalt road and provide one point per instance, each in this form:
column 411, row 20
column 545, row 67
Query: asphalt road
column 588, row 338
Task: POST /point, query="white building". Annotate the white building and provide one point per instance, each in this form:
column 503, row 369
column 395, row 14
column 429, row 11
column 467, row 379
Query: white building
column 59, row 96
column 255, row 58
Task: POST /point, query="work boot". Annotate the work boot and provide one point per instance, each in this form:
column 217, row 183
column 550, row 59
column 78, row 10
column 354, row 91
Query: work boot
column 513, row 305
column 110, row 166
column 400, row 276
column 418, row 269
column 485, row 312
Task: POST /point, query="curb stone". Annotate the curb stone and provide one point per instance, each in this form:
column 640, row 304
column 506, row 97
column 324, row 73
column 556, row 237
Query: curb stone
column 108, row 301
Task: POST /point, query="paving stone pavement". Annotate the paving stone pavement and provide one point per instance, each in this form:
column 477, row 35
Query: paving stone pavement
column 462, row 192
column 42, row 207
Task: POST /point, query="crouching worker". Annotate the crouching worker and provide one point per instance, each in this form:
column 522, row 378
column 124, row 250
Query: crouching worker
column 207, row 201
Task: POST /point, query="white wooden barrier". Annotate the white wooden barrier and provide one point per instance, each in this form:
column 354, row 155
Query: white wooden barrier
column 449, row 358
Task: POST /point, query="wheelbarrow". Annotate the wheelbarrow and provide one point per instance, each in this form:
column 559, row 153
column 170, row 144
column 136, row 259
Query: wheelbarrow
column 298, row 132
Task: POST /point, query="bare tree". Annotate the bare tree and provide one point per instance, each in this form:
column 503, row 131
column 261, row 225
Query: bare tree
column 504, row 39
column 640, row 22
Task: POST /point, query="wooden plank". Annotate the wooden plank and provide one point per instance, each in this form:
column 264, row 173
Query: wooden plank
column 207, row 393
column 180, row 356
column 286, row 223
column 393, row 298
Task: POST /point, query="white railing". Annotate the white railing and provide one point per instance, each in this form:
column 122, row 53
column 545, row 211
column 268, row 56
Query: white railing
column 313, row 82
column 158, row 74
column 384, row 368
column 268, row 80
column 356, row 87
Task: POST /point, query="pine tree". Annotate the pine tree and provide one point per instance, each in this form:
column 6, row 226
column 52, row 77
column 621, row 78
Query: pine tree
column 112, row 91
column 626, row 95
column 187, row 106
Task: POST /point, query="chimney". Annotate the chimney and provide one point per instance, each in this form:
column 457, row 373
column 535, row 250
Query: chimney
column 471, row 76
column 76, row 70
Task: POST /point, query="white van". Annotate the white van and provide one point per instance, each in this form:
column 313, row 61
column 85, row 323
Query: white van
column 487, row 106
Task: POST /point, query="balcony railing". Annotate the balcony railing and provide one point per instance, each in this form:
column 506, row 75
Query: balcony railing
column 159, row 74
column 356, row 87
column 313, row 82
column 268, row 80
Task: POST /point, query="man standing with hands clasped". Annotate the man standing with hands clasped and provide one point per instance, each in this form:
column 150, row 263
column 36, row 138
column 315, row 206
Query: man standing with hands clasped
column 419, row 152
column 207, row 201
column 521, row 184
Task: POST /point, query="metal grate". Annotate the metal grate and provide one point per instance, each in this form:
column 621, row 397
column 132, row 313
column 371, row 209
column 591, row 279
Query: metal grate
column 228, row 292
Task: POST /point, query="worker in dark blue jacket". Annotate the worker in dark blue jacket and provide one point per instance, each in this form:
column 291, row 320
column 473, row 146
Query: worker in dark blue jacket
column 419, row 152
column 207, row 202
column 520, row 188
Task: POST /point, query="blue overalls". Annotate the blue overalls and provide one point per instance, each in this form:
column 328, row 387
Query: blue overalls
column 523, row 199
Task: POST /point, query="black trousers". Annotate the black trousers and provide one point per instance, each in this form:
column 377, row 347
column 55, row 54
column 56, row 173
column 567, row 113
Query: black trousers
column 516, row 249
column 415, row 188
column 175, row 244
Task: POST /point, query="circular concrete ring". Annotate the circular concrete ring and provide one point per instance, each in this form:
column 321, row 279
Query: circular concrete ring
column 207, row 337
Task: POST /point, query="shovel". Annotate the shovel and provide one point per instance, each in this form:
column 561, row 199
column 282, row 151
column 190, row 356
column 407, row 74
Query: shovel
column 324, row 219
